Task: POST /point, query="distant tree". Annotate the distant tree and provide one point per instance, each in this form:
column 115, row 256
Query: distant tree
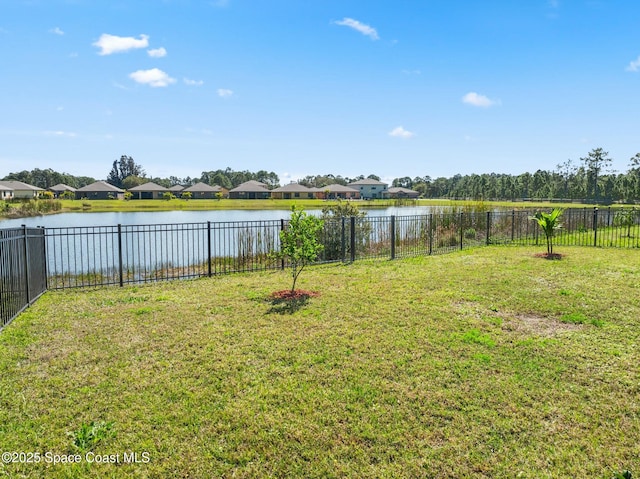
column 123, row 168
column 133, row 181
column 595, row 161
column 566, row 171
column 373, row 177
column 404, row 182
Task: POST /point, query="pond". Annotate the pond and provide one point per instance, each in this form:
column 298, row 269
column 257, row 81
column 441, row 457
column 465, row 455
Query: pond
column 111, row 218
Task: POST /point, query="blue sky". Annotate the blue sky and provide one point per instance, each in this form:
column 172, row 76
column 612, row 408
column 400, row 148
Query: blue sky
column 349, row 87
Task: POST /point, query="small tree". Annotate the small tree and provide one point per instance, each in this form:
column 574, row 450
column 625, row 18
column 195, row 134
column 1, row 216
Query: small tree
column 299, row 242
column 549, row 222
column 187, row 195
column 627, row 219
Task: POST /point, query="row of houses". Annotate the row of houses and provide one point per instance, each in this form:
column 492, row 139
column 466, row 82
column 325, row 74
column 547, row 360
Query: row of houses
column 362, row 189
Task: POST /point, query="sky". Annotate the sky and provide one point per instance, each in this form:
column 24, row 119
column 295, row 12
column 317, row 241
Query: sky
column 347, row 87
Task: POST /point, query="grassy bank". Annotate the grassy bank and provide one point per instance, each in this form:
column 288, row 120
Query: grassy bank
column 180, row 204
column 224, row 204
column 483, row 363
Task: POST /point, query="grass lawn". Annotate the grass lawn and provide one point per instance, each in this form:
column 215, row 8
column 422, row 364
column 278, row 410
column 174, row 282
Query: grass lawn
column 484, row 363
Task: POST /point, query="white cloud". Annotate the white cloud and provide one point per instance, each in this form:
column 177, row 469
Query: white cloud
column 224, row 93
column 474, row 99
column 400, row 132
column 360, row 27
column 56, row 31
column 190, row 82
column 634, row 66
column 109, row 44
column 59, row 133
column 157, row 52
column 153, row 77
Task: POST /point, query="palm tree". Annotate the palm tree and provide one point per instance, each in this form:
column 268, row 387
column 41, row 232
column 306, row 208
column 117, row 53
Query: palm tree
column 549, row 222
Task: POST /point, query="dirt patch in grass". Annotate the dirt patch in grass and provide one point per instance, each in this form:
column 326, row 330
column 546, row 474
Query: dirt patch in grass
column 288, row 302
column 538, row 325
column 288, row 295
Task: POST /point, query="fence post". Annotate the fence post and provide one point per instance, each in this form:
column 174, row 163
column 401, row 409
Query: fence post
column 25, row 245
column 45, row 267
column 120, row 271
column 431, row 232
column 353, row 239
column 343, row 240
column 595, row 226
column 282, row 229
column 488, row 227
column 393, row 237
column 209, row 248
column 461, row 230
column 513, row 225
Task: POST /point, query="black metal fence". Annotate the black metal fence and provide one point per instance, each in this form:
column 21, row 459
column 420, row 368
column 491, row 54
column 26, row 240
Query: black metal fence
column 33, row 259
column 23, row 270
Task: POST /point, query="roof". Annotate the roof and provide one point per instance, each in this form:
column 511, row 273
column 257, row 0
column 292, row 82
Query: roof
column 150, row 186
column 203, row 187
column 19, row 185
column 251, row 186
column 368, row 181
column 100, row 186
column 176, row 188
column 335, row 188
column 62, row 187
column 399, row 189
column 293, row 187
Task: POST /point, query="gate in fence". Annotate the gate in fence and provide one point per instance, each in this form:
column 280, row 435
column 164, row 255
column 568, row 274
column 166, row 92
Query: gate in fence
column 23, row 270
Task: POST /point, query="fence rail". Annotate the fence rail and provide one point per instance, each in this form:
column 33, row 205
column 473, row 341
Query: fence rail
column 34, row 259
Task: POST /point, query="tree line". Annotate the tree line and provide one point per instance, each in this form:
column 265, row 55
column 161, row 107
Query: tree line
column 590, row 179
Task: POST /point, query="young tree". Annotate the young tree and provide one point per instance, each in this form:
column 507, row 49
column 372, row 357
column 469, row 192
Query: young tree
column 549, row 222
column 299, row 242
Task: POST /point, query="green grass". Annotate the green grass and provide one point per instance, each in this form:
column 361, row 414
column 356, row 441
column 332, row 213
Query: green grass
column 483, row 363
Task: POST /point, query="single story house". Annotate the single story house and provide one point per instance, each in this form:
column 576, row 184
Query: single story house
column 201, row 191
column 399, row 192
column 148, row 191
column 292, row 191
column 6, row 193
column 370, row 189
column 335, row 191
column 250, row 190
column 61, row 188
column 100, row 190
column 21, row 190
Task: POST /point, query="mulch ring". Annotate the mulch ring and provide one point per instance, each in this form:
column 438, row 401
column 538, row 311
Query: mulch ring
column 288, row 295
column 548, row 256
